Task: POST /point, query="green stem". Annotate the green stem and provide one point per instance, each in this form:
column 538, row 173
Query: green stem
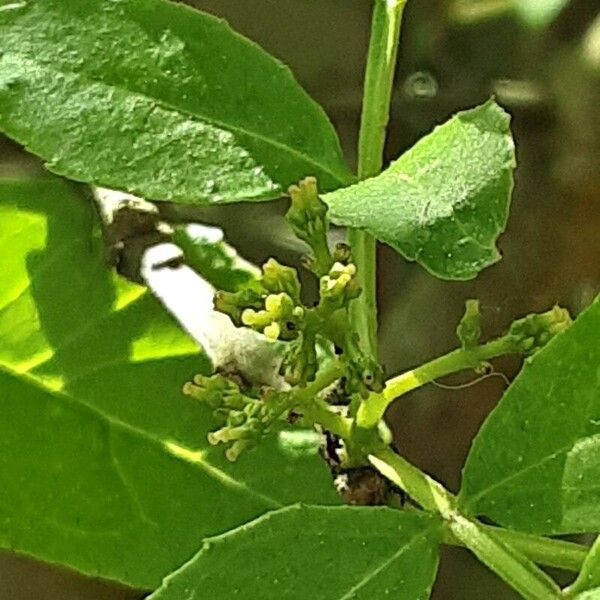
column 329, row 373
column 315, row 409
column 543, row 551
column 319, row 412
column 430, row 494
column 379, row 77
column 589, row 577
column 372, row 410
column 512, row 566
column 518, row 571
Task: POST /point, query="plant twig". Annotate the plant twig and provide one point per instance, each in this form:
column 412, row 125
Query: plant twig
column 543, row 551
column 316, row 410
column 372, row 410
column 379, row 76
column 514, row 567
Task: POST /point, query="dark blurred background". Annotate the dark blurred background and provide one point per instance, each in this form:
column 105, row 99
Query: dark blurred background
column 545, row 70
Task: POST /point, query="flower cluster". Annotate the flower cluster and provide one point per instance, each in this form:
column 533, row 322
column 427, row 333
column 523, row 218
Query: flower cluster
column 309, row 335
column 246, row 418
column 533, row 332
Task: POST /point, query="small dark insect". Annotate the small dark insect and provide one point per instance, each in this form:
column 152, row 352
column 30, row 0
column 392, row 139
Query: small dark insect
column 362, row 486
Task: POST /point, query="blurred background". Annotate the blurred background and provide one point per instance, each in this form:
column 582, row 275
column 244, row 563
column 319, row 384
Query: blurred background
column 541, row 59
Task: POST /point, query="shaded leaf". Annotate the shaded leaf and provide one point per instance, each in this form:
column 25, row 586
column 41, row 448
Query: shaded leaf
column 535, row 464
column 304, row 552
column 120, row 360
column 157, row 99
column 445, row 201
column 209, row 255
column 538, row 14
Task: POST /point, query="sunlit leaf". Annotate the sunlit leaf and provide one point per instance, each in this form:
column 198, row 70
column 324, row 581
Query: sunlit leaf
column 535, row 464
column 445, row 201
column 157, row 99
column 104, row 464
column 304, row 552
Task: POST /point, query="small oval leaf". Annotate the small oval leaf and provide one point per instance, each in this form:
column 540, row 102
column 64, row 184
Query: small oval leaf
column 444, row 202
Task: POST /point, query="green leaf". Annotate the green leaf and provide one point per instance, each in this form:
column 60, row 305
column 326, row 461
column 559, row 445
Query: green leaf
column 304, row 552
column 589, row 595
column 149, row 478
column 589, row 576
column 538, row 14
column 445, row 201
column 535, row 464
column 206, row 252
column 157, row 99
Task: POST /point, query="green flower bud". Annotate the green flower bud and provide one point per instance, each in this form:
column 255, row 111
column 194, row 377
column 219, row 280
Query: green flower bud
column 307, row 216
column 246, row 418
column 234, row 303
column 279, row 278
column 365, row 376
column 533, row 332
column 279, row 320
column 342, row 253
column 469, row 328
column 307, row 212
column 339, row 286
column 233, row 452
column 216, row 391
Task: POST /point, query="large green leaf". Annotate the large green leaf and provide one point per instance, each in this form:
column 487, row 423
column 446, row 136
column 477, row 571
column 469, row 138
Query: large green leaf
column 535, row 464
column 73, row 327
column 445, row 201
column 304, row 552
column 86, row 491
column 157, row 99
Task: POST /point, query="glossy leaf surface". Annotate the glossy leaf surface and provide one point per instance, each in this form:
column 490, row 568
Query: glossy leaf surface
column 535, row 464
column 304, row 552
column 444, row 202
column 157, row 99
column 69, row 325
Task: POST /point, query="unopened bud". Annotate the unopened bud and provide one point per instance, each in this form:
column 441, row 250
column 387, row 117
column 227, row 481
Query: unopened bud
column 234, row 303
column 339, row 286
column 342, row 253
column 533, row 332
column 469, row 328
column 279, row 278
